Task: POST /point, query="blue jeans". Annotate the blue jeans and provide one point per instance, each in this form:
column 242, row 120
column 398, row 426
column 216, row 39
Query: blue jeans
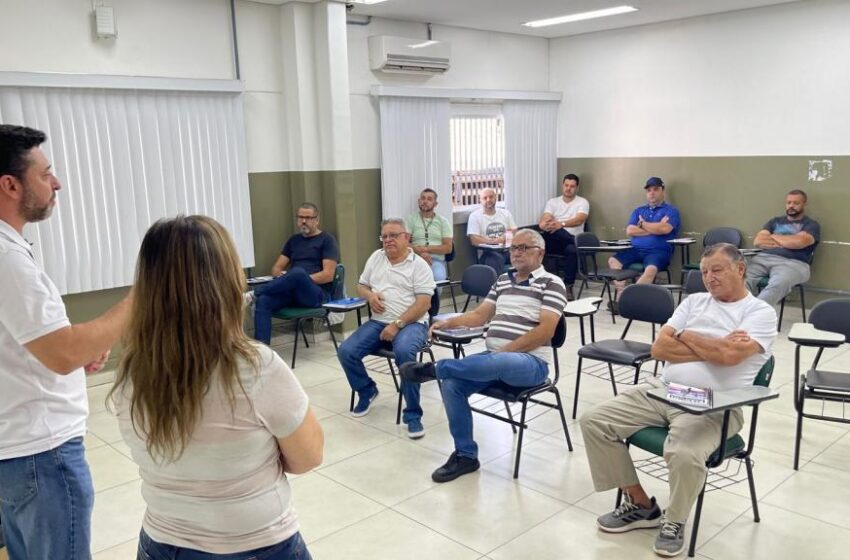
column 465, row 377
column 293, row 289
column 366, row 340
column 46, row 502
column 292, row 548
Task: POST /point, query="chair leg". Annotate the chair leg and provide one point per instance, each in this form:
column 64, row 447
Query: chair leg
column 563, row 418
column 510, row 415
column 613, row 381
column 798, row 437
column 519, row 441
column 781, row 313
column 454, row 300
column 802, row 301
column 303, row 333
column 581, row 328
column 392, row 373
column 351, row 404
column 619, row 498
column 578, row 382
column 749, row 464
column 397, row 388
column 295, row 346
column 606, row 287
column 695, row 529
column 637, row 372
column 331, row 331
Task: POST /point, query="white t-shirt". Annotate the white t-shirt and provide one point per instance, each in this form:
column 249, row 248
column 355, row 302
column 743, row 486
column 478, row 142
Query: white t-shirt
column 399, row 283
column 39, row 409
column 227, row 493
column 491, row 227
column 568, row 210
column 705, row 315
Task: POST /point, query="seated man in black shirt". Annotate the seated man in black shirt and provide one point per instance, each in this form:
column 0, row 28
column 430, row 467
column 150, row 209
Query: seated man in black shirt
column 312, row 256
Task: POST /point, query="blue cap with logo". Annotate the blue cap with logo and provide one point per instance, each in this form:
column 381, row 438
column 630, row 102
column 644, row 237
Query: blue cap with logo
column 654, row 182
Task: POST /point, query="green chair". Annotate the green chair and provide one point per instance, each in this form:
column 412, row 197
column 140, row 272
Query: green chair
column 300, row 314
column 652, row 440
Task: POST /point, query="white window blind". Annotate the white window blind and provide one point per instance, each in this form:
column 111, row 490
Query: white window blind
column 129, row 151
column 478, row 157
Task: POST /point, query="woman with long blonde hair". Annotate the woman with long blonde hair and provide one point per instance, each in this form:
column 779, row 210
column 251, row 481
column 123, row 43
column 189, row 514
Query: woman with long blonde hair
column 213, row 419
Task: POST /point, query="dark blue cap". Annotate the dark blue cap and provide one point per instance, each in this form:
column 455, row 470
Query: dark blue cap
column 654, row 182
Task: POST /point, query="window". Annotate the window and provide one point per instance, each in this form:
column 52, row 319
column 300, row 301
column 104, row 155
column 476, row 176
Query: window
column 477, row 157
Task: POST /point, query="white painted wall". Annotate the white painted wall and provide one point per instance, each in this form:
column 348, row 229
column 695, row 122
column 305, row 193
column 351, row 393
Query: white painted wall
column 768, row 81
column 480, row 60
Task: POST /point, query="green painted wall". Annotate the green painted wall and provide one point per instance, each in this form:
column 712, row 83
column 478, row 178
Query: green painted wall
column 741, row 192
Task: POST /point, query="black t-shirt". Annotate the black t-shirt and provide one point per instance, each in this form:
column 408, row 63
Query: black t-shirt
column 308, row 252
column 783, row 226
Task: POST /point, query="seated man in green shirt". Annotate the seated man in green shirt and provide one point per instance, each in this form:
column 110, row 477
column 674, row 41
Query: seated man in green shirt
column 430, row 237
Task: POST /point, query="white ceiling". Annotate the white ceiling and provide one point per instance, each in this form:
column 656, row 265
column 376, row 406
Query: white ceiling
column 509, row 15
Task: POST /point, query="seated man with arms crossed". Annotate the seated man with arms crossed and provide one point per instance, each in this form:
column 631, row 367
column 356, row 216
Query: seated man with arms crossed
column 312, row 256
column 398, row 285
column 563, row 219
column 650, row 227
column 489, row 225
column 523, row 311
column 719, row 339
column 787, row 243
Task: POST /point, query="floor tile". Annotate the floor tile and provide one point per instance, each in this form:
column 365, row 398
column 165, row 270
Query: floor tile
column 345, row 437
column 117, row 516
column 110, row 468
column 123, row 551
column 816, row 491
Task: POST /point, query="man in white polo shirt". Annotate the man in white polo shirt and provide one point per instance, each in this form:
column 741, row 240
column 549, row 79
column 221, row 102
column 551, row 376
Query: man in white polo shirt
column 46, row 493
column 563, row 219
column 489, row 225
column 398, row 285
column 523, row 311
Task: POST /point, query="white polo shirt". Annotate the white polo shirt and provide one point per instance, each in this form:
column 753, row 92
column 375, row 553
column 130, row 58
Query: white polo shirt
column 398, row 283
column 563, row 211
column 39, row 409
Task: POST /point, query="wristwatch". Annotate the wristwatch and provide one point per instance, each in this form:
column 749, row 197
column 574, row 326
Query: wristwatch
column 399, row 323
column 678, row 334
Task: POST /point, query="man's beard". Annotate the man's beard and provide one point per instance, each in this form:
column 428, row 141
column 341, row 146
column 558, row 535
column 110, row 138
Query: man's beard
column 792, row 213
column 30, row 209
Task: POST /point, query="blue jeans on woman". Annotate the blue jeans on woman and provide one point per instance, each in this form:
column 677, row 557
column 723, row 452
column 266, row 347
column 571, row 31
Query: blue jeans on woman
column 462, row 378
column 366, row 340
column 293, row 289
column 292, row 548
column 46, row 502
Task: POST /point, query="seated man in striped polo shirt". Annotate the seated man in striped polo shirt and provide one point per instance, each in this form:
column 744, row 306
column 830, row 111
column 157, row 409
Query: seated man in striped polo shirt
column 523, row 310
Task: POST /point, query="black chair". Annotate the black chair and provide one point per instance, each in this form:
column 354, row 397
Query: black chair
column 524, row 395
column 713, row 237
column 639, row 302
column 734, row 447
column 800, row 287
column 588, row 270
column 833, row 317
column 693, row 284
column 476, row 282
column 300, row 314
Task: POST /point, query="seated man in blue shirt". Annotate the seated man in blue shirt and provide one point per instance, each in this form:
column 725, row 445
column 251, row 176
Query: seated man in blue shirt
column 650, row 227
column 312, row 256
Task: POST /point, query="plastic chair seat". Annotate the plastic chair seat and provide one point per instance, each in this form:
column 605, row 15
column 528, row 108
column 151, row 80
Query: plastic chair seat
column 504, row 392
column 652, row 440
column 820, row 380
column 614, row 274
column 622, row 352
column 292, row 313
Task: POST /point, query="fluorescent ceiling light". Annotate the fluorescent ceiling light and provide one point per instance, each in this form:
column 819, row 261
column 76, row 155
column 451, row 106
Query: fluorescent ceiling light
column 581, row 16
column 364, row 1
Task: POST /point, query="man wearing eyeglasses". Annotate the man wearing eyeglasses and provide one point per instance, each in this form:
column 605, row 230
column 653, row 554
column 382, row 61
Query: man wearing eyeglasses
column 523, row 310
column 398, row 285
column 311, row 256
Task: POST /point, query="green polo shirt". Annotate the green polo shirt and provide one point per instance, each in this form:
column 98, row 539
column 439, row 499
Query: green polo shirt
column 428, row 231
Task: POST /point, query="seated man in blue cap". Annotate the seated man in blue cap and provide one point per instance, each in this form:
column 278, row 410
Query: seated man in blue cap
column 650, row 227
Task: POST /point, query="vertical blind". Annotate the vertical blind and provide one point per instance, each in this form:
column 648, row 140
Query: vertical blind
column 129, row 151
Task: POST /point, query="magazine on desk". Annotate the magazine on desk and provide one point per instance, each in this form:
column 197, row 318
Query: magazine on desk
column 461, row 331
column 692, row 396
column 346, row 302
column 259, row 279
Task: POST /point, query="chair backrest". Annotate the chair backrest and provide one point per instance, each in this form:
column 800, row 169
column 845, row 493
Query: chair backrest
column 694, row 283
column 338, row 283
column 832, row 315
column 587, row 239
column 477, row 280
column 723, row 235
column 765, row 374
column 558, row 341
column 450, row 256
column 646, row 302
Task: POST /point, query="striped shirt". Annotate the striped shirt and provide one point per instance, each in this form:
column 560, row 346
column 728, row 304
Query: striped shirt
column 519, row 305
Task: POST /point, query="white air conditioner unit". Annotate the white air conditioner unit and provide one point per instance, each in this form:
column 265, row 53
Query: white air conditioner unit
column 408, row 56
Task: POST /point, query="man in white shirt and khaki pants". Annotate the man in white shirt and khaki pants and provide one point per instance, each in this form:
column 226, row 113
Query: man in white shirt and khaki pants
column 46, row 493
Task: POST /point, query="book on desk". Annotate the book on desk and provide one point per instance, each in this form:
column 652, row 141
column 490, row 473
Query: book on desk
column 692, row 396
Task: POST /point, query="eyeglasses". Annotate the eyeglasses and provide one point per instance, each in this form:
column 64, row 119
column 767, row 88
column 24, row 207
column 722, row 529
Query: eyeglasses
column 389, row 236
column 522, row 248
column 306, row 217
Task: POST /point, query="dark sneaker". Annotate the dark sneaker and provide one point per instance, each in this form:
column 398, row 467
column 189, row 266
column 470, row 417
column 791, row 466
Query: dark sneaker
column 614, row 307
column 418, row 372
column 456, row 466
column 415, row 429
column 570, row 295
column 364, row 402
column 630, row 516
column 670, row 540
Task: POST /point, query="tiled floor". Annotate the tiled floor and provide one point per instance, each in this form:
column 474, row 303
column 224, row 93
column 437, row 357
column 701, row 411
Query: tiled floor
column 373, row 496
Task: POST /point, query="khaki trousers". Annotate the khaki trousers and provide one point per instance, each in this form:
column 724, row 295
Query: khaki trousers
column 692, row 439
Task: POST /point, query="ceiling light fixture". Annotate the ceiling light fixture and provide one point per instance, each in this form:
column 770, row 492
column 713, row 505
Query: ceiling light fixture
column 367, row 2
column 581, row 16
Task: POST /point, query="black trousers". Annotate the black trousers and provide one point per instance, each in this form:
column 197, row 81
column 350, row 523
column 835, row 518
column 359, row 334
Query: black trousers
column 561, row 243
